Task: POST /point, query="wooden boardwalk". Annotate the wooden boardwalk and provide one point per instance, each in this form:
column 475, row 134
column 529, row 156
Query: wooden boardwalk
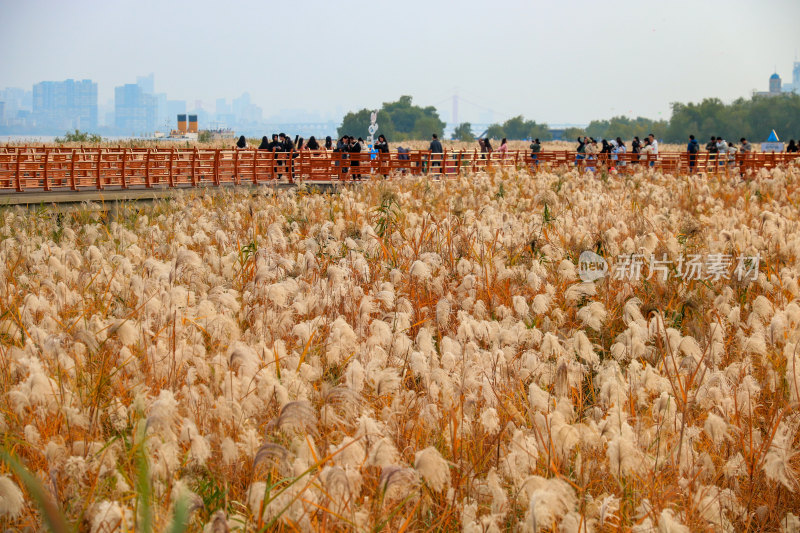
column 47, row 170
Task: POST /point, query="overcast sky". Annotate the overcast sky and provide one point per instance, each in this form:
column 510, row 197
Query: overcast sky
column 556, row 62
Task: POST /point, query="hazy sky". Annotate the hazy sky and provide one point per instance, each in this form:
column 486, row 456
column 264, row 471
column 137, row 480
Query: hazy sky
column 559, row 62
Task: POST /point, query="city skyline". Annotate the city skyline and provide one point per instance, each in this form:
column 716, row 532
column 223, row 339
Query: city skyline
column 138, row 109
column 568, row 63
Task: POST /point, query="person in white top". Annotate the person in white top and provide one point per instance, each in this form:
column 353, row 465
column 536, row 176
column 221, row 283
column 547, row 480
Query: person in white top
column 722, row 149
column 653, row 143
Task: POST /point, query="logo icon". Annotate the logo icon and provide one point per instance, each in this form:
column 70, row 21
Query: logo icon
column 591, row 266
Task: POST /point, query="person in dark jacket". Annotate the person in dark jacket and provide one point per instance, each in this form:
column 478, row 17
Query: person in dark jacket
column 312, row 143
column 692, row 148
column 264, row 143
column 536, row 147
column 286, row 143
column 580, row 150
column 241, row 143
column 355, row 148
column 436, row 145
column 435, row 148
column 328, row 143
column 792, row 148
column 636, row 146
column 711, row 148
column 382, row 145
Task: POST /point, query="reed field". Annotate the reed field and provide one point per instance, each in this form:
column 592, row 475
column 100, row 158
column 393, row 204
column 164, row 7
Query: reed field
column 407, row 354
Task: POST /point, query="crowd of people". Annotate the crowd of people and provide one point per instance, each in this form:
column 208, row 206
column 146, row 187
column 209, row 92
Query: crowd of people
column 718, row 148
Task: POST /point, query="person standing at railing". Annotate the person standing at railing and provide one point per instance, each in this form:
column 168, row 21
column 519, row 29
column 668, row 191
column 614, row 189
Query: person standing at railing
column 355, row 148
column 503, row 148
column 536, row 147
column 312, row 144
column 382, row 146
column 654, row 147
column 792, row 148
column 580, row 150
column 692, row 149
column 636, row 146
column 264, row 143
column 591, row 150
column 711, row 148
column 746, row 147
column 653, row 143
column 732, row 151
column 621, row 149
column 722, row 150
column 241, row 144
column 644, row 153
column 328, row 144
column 435, row 148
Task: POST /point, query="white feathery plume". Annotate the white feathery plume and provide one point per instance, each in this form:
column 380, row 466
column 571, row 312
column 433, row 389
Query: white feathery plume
column 593, row 315
column 11, row 500
column 668, row 523
column 433, row 468
column 443, row 312
column 778, row 461
column 110, row 516
column 716, row 428
column 420, row 271
column 490, row 421
column 549, row 500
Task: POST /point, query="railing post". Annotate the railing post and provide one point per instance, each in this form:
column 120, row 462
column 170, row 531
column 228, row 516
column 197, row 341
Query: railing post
column 72, row 183
column 147, row 169
column 97, row 169
column 171, row 159
column 235, row 166
column 216, row 167
column 20, row 156
column 194, row 157
column 123, row 179
column 255, row 165
column 45, row 176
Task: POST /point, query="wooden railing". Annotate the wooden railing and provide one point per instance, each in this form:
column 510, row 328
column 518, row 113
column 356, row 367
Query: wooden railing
column 48, row 168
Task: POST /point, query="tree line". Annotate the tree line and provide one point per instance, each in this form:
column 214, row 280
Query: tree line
column 753, row 118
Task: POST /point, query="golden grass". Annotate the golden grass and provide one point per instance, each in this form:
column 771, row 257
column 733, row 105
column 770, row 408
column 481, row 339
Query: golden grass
column 408, row 355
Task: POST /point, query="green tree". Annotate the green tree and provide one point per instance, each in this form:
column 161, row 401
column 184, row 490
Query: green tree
column 463, row 132
column 626, row 128
column 495, row 131
column 517, row 128
column 571, row 134
column 400, row 120
column 753, row 118
column 79, row 136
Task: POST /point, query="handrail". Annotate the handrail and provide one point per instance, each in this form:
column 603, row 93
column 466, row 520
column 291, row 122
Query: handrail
column 53, row 168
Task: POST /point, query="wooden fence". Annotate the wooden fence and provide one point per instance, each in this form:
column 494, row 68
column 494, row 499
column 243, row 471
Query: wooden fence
column 48, row 168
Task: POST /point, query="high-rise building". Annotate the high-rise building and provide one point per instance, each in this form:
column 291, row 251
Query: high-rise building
column 135, row 112
column 65, row 104
column 147, row 83
column 2, row 113
column 794, row 86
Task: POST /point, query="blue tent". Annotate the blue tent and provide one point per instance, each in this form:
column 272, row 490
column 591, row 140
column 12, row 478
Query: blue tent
column 773, row 137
